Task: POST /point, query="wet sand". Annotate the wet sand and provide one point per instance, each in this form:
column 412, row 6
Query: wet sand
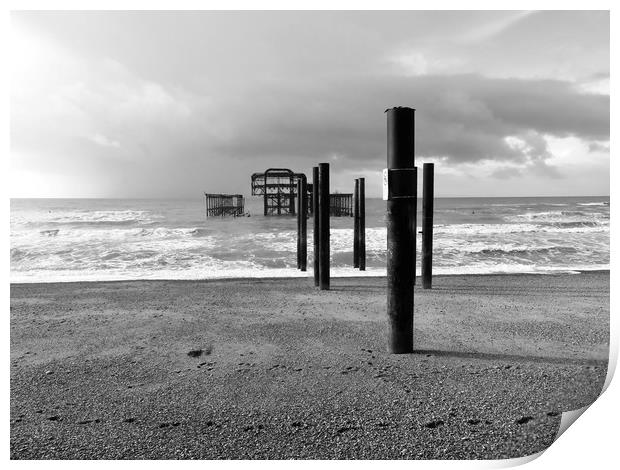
column 101, row 370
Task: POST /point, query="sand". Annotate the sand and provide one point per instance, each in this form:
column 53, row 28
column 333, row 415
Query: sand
column 101, row 370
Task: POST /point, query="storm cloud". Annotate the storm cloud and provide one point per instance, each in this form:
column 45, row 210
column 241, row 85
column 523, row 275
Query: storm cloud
column 136, row 111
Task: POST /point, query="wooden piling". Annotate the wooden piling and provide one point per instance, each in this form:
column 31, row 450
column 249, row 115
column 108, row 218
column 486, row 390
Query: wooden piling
column 324, row 226
column 362, row 224
column 315, row 228
column 356, row 220
column 401, row 206
column 428, row 190
column 303, row 217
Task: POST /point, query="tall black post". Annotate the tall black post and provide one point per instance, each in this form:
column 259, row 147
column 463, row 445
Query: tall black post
column 428, row 193
column 315, row 228
column 415, row 234
column 265, row 195
column 400, row 180
column 324, row 226
column 298, row 223
column 303, row 217
column 356, row 226
column 362, row 223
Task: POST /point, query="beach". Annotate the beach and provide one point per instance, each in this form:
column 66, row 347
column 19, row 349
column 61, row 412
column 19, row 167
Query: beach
column 278, row 369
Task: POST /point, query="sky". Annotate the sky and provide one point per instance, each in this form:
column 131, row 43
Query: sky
column 173, row 104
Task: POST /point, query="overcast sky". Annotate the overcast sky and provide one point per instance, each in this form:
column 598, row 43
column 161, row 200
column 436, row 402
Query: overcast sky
column 171, row 104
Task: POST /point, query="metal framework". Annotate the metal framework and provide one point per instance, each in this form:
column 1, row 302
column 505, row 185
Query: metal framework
column 341, row 205
column 278, row 186
column 224, row 204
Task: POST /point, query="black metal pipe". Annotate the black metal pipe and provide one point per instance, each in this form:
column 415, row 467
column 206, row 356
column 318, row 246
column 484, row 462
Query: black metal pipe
column 356, row 226
column 303, row 217
column 362, row 224
column 428, row 193
column 298, row 223
column 324, row 226
column 415, row 237
column 315, row 228
column 291, row 201
column 401, row 206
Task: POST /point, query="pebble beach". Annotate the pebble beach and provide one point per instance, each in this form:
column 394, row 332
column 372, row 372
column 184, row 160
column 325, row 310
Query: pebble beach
column 276, row 369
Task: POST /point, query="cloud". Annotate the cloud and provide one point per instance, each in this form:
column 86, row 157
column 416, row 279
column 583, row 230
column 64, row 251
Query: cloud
column 462, row 118
column 598, row 147
column 104, row 141
column 206, row 107
column 467, row 118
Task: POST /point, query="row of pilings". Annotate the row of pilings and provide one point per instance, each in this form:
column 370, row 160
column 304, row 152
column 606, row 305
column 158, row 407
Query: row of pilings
column 400, row 192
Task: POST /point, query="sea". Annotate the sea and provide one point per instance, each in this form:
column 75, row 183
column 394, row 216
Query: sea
column 64, row 240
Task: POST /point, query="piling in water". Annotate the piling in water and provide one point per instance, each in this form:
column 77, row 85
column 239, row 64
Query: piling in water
column 428, row 191
column 361, row 231
column 401, row 179
column 303, row 224
column 315, row 228
column 299, row 223
column 356, row 220
column 324, row 226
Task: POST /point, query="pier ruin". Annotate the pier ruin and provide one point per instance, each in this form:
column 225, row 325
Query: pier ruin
column 278, row 186
column 224, row 204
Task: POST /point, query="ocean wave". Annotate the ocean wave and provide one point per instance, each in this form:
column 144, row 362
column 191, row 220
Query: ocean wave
column 254, row 272
column 559, row 217
column 89, row 218
column 545, row 250
column 517, row 228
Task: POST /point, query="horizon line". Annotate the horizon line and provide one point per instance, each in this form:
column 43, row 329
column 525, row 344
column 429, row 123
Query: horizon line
column 251, row 196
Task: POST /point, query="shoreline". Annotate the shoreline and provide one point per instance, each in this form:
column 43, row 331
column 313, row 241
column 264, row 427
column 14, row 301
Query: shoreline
column 101, row 370
column 566, row 272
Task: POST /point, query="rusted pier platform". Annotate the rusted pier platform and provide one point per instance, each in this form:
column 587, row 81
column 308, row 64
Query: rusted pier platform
column 224, row 204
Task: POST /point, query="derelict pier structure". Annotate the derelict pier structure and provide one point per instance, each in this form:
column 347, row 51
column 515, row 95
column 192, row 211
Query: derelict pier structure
column 278, row 186
column 224, row 204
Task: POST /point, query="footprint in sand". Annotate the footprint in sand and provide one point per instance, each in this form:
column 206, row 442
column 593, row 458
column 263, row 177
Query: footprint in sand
column 524, row 419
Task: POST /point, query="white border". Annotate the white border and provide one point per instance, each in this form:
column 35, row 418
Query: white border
column 591, row 442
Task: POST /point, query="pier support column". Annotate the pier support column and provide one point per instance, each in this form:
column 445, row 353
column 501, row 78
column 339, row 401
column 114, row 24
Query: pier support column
column 324, row 226
column 356, row 226
column 400, row 186
column 361, row 230
column 415, row 235
column 298, row 222
column 428, row 191
column 303, row 222
column 291, row 200
column 315, row 228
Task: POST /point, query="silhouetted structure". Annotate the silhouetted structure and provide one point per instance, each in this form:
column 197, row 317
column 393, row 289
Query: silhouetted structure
column 341, row 205
column 278, row 186
column 224, row 204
